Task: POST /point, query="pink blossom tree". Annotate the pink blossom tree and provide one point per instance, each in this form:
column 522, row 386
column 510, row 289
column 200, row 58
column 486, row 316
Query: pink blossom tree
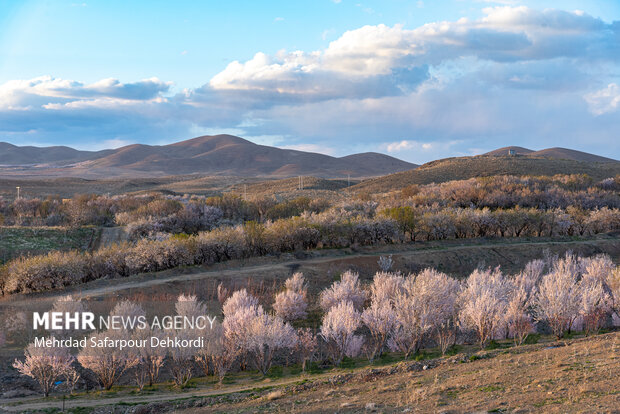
column 348, row 289
column 595, row 304
column 306, row 346
column 268, row 334
column 239, row 299
column 107, row 363
column 45, row 365
column 518, row 321
column 385, row 287
column 380, row 319
column 338, row 331
column 483, row 303
column 426, row 301
column 291, row 304
column 558, row 298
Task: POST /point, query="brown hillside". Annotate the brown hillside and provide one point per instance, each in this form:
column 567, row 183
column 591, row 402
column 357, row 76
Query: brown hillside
column 212, row 155
column 555, row 153
column 568, row 154
column 502, row 152
column 483, row 166
column 13, row 155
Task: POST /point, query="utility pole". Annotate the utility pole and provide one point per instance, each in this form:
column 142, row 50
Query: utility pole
column 18, row 192
column 245, row 191
column 348, row 180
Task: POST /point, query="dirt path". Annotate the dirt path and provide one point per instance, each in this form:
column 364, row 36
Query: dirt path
column 455, row 251
column 36, row 403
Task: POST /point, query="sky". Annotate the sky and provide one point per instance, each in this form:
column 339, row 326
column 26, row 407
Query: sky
column 418, row 80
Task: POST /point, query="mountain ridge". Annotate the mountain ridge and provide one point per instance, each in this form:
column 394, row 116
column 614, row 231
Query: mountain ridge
column 210, row 154
column 229, row 155
column 554, row 153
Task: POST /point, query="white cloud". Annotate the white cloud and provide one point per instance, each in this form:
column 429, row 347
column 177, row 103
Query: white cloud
column 504, row 34
column 320, row 149
column 399, row 146
column 52, row 92
column 605, row 100
column 278, row 19
column 406, row 145
column 514, row 76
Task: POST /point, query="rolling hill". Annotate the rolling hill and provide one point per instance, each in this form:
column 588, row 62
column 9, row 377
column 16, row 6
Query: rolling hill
column 13, row 155
column 463, row 168
column 213, row 155
column 553, row 153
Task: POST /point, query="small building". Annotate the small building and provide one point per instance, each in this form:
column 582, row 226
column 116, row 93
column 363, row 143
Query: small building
column 511, row 152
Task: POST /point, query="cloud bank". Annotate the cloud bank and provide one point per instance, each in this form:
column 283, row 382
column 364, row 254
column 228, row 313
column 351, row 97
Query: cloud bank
column 516, row 76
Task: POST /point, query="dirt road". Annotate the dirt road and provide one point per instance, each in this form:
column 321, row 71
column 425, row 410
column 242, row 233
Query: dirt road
column 456, row 259
column 37, row 403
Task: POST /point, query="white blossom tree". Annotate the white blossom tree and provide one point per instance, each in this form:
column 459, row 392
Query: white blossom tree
column 385, row 263
column 385, row 287
column 182, row 358
column 268, row 334
column 348, row 289
column 338, row 331
column 291, row 304
column 150, row 358
column 614, row 285
column 483, row 303
column 518, row 320
column 219, row 352
column 596, row 304
column 425, row 306
column 189, row 306
column 45, row 365
column 107, row 363
column 558, row 299
column 306, row 346
column 239, row 299
column 380, row 319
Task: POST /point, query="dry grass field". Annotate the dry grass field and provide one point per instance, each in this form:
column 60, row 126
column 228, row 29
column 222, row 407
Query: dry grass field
column 571, row 376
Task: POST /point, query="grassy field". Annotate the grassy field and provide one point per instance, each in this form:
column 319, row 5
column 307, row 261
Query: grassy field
column 17, row 241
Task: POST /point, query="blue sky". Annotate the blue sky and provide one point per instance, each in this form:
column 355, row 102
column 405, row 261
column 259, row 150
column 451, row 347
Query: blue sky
column 418, row 80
